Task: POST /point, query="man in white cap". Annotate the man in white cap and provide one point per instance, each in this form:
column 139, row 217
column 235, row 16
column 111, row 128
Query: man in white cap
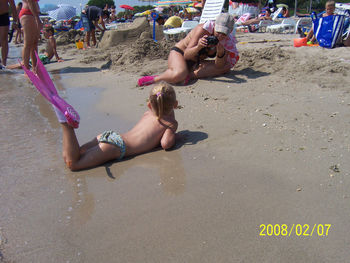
column 187, row 59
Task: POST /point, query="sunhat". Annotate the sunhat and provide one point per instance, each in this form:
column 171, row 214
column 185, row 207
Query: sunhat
column 224, row 23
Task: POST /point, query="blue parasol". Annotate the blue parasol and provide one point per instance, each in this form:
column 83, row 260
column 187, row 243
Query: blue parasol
column 63, row 12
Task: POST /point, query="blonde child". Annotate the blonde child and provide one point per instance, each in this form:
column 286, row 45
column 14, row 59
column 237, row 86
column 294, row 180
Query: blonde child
column 50, row 51
column 156, row 127
column 330, row 9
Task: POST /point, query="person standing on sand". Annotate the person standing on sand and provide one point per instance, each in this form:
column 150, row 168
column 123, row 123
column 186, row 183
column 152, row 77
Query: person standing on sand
column 31, row 24
column 92, row 16
column 4, row 27
column 19, row 34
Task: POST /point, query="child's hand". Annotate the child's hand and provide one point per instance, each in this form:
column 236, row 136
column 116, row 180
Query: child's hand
column 60, row 60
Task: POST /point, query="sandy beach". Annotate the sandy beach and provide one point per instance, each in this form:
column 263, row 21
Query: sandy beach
column 267, row 143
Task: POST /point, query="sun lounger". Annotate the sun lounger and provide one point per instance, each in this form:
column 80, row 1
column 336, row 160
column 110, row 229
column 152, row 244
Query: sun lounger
column 303, row 23
column 265, row 23
column 186, row 27
column 286, row 26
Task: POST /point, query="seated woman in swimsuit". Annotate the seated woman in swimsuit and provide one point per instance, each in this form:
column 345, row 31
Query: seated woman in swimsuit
column 186, row 60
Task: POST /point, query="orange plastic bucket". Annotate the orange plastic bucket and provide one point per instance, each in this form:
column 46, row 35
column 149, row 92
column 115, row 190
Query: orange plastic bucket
column 79, row 44
column 299, row 42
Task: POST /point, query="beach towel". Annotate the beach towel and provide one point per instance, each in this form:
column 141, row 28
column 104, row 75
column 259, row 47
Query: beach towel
column 328, row 30
column 229, row 43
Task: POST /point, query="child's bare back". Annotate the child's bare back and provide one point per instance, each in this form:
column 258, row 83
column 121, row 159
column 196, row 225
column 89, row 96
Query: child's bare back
column 149, row 133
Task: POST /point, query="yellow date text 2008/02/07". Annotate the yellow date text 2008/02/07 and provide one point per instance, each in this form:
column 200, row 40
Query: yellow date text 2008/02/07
column 299, row 230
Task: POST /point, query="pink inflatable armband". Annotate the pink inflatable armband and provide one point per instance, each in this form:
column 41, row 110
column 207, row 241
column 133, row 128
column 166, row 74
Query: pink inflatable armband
column 45, row 86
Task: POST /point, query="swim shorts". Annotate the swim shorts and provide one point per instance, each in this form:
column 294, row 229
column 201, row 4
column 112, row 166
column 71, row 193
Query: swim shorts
column 189, row 63
column 114, row 138
column 87, row 23
column 4, row 20
column 44, row 59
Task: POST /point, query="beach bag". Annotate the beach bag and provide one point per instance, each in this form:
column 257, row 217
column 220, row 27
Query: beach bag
column 328, row 30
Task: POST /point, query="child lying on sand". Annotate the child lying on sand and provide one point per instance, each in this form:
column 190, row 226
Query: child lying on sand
column 156, row 127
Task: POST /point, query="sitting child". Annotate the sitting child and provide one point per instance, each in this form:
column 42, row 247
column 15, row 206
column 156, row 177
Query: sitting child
column 50, row 46
column 50, row 50
column 329, row 11
column 156, row 127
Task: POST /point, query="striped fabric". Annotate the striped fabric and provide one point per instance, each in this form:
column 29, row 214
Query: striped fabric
column 211, row 10
column 328, row 30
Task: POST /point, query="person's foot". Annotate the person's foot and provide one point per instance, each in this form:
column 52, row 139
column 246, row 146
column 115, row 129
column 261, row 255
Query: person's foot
column 146, row 80
column 60, row 116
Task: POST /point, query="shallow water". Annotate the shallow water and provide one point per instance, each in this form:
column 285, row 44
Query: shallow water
column 47, row 211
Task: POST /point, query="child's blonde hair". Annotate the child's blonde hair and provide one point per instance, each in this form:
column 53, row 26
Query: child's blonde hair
column 330, row 3
column 162, row 99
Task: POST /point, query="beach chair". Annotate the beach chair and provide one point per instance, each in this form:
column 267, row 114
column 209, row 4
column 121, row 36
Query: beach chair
column 188, row 25
column 286, row 26
column 265, row 23
column 303, row 24
column 211, row 10
column 185, row 28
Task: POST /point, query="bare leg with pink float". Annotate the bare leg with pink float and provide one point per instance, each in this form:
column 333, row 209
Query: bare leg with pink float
column 76, row 157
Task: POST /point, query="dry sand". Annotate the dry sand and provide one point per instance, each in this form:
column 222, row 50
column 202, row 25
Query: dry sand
column 267, row 143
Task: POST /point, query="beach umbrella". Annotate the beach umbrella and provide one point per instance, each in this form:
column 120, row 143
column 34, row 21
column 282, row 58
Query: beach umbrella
column 63, row 12
column 146, row 13
column 172, row 2
column 196, row 4
column 127, row 7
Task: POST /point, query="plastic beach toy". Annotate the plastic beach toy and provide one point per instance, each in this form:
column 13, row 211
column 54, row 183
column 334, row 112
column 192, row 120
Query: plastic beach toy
column 79, row 44
column 299, row 42
column 45, row 86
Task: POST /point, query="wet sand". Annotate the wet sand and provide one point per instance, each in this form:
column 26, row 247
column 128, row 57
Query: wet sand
column 258, row 146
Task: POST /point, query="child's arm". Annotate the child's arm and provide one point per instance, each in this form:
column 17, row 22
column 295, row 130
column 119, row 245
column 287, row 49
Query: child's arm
column 53, row 45
column 168, row 139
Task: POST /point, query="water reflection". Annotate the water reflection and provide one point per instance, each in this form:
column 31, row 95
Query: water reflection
column 167, row 165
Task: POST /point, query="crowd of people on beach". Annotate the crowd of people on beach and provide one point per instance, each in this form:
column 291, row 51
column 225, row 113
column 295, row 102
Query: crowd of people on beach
column 208, row 50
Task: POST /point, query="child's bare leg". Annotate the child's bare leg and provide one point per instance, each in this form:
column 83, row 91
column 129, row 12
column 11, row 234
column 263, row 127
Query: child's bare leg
column 85, row 147
column 71, row 150
column 347, row 41
column 94, row 153
column 97, row 155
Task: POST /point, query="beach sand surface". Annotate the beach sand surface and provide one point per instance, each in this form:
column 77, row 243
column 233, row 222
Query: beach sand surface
column 267, row 143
